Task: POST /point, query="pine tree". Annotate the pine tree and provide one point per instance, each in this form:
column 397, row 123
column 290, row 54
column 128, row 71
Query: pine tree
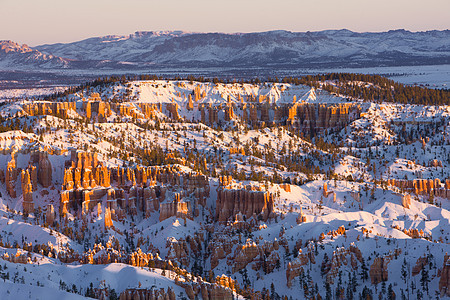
column 383, row 287
column 272, row 291
column 424, row 279
column 113, row 295
column 354, row 282
column 391, row 294
column 324, row 263
column 403, row 294
column 404, row 271
column 419, row 294
column 366, row 294
column 328, row 295
column 349, row 291
column 364, row 271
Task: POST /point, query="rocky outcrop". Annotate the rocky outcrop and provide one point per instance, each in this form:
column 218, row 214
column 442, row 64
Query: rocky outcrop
column 223, row 282
column 220, row 248
column 27, row 192
column 195, row 243
column 190, row 104
column 95, row 107
column 57, row 109
column 318, row 117
column 271, row 262
column 172, row 109
column 423, row 186
column 82, row 165
column 19, row 257
column 209, row 114
column 176, row 208
column 420, row 263
column 238, row 150
column 130, row 190
column 218, row 253
column 301, row 218
column 124, row 177
column 148, row 294
column 414, row 233
column 44, row 167
column 86, row 178
column 68, row 183
column 137, row 110
column 11, row 176
column 286, row 187
column 64, row 202
column 229, row 113
column 306, row 117
column 435, row 163
column 444, row 282
column 406, row 201
column 225, row 180
column 50, row 214
column 379, row 269
column 222, row 289
column 32, row 171
column 341, row 257
column 151, row 199
column 140, row 259
column 339, row 231
column 233, row 201
column 108, row 220
column 263, row 255
column 244, row 255
column 295, row 267
column 177, row 250
column 149, row 110
column 196, row 183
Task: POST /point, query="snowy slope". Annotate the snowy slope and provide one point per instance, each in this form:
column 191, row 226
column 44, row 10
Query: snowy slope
column 335, row 219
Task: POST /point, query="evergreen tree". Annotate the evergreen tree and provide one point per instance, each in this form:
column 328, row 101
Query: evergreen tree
column 364, row 270
column 113, row 295
column 391, row 294
column 424, row 279
column 349, row 292
column 404, row 271
column 354, row 282
column 419, row 294
column 366, row 294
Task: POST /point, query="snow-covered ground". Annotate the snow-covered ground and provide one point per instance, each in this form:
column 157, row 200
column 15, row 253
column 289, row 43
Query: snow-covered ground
column 434, row 76
column 359, row 209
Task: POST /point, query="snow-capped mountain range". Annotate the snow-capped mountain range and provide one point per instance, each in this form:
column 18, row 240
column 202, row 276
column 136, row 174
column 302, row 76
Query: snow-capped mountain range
column 329, row 48
column 12, row 55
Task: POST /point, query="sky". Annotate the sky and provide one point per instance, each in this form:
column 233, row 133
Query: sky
column 36, row 22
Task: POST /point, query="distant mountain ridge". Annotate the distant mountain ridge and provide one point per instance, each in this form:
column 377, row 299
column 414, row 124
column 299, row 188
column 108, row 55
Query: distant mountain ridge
column 13, row 55
column 271, row 49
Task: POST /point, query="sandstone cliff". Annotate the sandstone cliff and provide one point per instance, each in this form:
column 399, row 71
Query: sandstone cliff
column 27, row 192
column 175, row 208
column 231, row 202
column 148, row 294
column 444, row 282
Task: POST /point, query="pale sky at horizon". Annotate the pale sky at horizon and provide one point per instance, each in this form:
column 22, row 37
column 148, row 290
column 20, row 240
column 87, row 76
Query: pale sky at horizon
column 36, row 22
